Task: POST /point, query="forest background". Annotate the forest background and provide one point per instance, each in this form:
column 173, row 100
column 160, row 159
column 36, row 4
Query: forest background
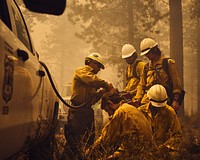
column 104, row 26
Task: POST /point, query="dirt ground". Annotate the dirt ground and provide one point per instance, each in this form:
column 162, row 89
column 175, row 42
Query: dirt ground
column 190, row 145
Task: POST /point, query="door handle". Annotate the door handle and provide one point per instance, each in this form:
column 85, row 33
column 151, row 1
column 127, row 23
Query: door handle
column 22, row 54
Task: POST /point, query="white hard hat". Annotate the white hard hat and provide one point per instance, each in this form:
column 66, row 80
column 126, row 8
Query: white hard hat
column 146, row 44
column 97, row 57
column 128, row 50
column 157, row 95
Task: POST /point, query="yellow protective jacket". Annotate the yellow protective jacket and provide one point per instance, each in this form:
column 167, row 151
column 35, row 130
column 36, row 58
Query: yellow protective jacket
column 165, row 125
column 125, row 135
column 85, row 85
column 132, row 79
column 155, row 74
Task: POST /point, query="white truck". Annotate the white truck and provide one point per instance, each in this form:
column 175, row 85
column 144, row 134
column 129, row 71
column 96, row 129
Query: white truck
column 28, row 104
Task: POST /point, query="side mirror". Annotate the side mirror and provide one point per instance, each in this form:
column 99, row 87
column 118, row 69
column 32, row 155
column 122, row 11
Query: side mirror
column 54, row 7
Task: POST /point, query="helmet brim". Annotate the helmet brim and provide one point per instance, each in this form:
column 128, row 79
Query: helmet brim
column 145, row 52
column 102, row 66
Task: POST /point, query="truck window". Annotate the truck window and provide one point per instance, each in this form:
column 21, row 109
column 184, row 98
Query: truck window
column 4, row 16
column 21, row 28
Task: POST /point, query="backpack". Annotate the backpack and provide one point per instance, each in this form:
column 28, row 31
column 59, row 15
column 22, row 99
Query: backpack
column 165, row 67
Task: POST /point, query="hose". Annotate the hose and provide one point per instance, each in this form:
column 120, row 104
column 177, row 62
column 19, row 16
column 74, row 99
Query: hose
column 56, row 91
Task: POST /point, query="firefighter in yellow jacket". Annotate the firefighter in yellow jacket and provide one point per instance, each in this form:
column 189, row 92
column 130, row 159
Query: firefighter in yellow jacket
column 164, row 122
column 87, row 89
column 134, row 69
column 158, row 72
column 127, row 135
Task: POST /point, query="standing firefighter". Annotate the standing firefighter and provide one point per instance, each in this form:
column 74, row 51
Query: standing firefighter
column 164, row 122
column 159, row 70
column 126, row 136
column 134, row 69
column 87, row 89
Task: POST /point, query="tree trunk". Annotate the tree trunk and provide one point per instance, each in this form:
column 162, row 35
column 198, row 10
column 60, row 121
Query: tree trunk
column 198, row 70
column 130, row 31
column 130, row 21
column 176, row 34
